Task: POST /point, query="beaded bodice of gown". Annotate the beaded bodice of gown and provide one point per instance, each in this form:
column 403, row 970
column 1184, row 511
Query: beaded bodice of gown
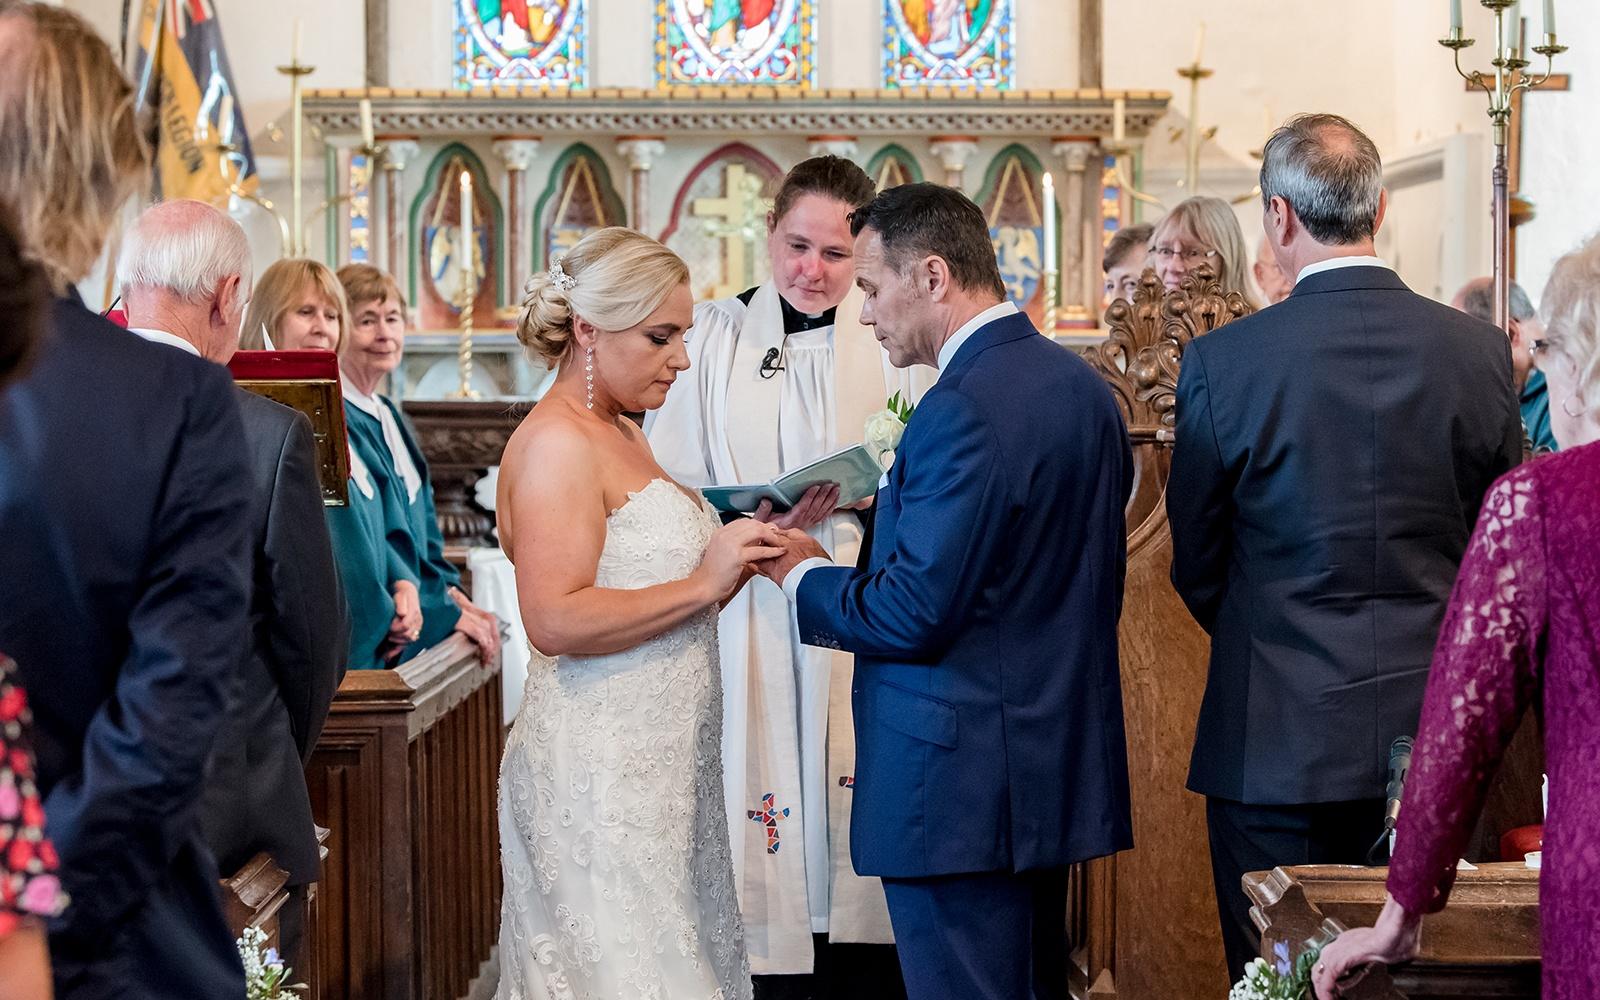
column 614, row 845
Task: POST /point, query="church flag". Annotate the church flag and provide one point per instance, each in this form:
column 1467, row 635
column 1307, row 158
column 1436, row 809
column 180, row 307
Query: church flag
column 182, row 68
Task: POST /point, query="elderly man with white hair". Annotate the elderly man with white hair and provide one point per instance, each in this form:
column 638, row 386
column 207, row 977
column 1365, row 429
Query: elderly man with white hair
column 184, row 272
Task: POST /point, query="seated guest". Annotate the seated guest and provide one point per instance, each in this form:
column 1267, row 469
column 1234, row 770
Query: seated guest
column 383, row 437
column 1520, row 630
column 1331, row 455
column 1201, row 231
column 184, row 273
column 299, row 305
column 1269, row 277
column 1476, row 298
column 125, row 500
column 1126, row 257
column 30, row 893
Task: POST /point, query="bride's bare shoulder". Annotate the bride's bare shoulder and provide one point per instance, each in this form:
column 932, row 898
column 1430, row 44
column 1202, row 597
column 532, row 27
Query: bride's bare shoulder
column 549, row 439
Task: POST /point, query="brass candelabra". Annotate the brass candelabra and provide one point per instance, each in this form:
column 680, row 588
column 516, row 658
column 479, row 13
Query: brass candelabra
column 1501, row 86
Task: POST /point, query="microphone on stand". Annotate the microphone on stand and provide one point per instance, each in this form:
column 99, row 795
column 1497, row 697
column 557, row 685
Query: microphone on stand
column 1399, row 766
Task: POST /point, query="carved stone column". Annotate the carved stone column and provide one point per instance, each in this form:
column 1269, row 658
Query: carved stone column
column 518, row 154
column 640, row 151
column 838, row 145
column 1079, row 268
column 953, row 152
column 398, row 153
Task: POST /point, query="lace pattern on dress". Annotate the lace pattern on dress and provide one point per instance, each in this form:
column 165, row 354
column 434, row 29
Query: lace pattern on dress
column 618, row 871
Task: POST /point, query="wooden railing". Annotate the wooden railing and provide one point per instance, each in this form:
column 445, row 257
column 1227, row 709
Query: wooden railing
column 405, row 776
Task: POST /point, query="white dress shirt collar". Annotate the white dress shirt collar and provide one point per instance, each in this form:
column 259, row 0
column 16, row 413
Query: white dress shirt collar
column 1334, row 263
column 163, row 337
column 964, row 333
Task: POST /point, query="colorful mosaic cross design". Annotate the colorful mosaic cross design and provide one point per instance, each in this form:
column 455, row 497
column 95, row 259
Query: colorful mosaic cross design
column 768, row 817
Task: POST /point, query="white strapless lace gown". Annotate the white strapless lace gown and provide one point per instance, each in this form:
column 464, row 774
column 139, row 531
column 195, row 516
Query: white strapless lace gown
column 613, row 836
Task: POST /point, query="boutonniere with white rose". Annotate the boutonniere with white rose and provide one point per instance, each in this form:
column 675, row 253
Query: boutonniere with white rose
column 882, row 434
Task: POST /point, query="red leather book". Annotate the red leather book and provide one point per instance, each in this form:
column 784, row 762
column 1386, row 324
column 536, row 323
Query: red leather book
column 307, row 381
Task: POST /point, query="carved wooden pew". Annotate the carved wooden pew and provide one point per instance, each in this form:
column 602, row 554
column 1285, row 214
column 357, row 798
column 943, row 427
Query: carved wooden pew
column 405, row 775
column 1143, row 925
column 1484, row 943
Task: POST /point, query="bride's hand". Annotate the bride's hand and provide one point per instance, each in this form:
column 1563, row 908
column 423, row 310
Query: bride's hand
column 733, row 549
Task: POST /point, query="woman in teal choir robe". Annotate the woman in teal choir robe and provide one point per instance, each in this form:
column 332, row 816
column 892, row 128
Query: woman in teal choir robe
column 299, row 305
column 382, row 436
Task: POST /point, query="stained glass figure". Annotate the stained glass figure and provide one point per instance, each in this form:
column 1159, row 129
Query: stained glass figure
column 537, row 44
column 948, row 43
column 736, row 42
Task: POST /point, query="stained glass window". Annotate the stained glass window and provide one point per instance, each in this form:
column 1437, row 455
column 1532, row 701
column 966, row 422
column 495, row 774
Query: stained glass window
column 736, row 42
column 948, row 43
column 526, row 43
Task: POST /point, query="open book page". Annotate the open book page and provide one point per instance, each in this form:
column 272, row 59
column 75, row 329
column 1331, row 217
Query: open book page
column 853, row 468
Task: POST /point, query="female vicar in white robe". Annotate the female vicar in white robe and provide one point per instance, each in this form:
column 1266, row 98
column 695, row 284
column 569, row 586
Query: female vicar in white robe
column 782, row 375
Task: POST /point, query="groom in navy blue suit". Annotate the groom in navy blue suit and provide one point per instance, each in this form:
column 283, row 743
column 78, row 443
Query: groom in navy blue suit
column 989, row 741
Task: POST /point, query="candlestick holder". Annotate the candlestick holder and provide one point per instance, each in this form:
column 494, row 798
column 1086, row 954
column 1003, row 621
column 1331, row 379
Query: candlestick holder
column 1501, row 87
column 230, row 163
column 296, row 71
column 1052, row 294
column 465, row 298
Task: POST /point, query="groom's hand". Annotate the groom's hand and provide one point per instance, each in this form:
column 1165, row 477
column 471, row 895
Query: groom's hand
column 797, row 547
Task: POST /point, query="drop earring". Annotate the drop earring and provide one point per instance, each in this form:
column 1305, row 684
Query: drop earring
column 588, row 375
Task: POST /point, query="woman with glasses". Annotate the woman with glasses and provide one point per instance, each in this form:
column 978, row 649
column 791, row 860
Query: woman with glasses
column 1202, row 231
column 1519, row 630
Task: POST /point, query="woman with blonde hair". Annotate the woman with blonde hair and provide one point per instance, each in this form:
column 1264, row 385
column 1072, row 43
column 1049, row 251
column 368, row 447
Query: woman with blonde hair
column 1519, row 630
column 614, row 844
column 298, row 305
column 1202, row 231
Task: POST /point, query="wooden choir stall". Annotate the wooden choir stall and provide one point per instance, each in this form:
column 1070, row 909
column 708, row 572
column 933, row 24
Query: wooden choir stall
column 1143, row 925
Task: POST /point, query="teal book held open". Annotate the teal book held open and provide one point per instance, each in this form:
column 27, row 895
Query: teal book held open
column 853, row 469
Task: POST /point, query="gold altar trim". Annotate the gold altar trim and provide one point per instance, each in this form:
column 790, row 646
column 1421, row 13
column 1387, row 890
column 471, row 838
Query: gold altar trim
column 738, row 110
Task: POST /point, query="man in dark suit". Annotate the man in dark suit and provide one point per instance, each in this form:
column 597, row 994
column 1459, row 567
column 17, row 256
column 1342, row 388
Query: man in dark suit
column 124, row 574
column 184, row 272
column 125, row 502
column 1331, row 455
column 988, row 705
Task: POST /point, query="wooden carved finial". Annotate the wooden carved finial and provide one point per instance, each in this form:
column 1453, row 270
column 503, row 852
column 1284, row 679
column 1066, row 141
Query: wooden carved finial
column 1141, row 355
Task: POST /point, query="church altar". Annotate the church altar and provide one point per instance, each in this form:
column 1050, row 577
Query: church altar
column 695, row 167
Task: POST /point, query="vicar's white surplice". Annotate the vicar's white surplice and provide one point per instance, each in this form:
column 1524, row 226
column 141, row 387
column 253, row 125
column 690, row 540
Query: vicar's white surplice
column 788, row 740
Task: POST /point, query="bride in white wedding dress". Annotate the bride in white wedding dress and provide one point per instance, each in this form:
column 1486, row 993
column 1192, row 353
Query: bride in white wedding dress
column 613, row 837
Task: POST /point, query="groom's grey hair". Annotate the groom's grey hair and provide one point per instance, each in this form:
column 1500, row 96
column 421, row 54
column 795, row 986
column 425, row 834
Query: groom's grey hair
column 918, row 221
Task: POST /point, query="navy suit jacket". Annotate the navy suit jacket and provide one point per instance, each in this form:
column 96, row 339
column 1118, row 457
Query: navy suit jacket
column 1331, row 455
column 125, row 505
column 988, row 704
column 257, row 799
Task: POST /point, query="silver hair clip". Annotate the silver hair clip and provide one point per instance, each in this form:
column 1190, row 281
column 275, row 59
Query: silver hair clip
column 560, row 278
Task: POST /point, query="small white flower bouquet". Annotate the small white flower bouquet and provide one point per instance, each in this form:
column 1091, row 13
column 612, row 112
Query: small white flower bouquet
column 265, row 975
column 883, row 431
column 1284, row 979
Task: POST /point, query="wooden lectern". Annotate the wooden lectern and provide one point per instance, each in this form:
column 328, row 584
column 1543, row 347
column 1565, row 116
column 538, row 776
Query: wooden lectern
column 307, row 381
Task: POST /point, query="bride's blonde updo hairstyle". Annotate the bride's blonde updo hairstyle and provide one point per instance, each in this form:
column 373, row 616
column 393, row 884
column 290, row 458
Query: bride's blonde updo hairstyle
column 614, row 278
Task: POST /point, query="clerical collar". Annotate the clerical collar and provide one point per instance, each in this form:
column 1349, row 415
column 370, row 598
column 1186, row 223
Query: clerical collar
column 794, row 321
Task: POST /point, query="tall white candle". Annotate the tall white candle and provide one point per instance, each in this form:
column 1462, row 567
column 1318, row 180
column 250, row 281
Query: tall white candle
column 225, row 119
column 1514, row 16
column 1199, row 43
column 1119, row 120
column 1049, row 222
column 294, row 51
column 366, row 123
column 466, row 236
column 1550, row 17
column 1455, row 16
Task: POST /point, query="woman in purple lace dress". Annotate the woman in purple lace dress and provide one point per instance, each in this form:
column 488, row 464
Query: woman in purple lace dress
column 1523, row 626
